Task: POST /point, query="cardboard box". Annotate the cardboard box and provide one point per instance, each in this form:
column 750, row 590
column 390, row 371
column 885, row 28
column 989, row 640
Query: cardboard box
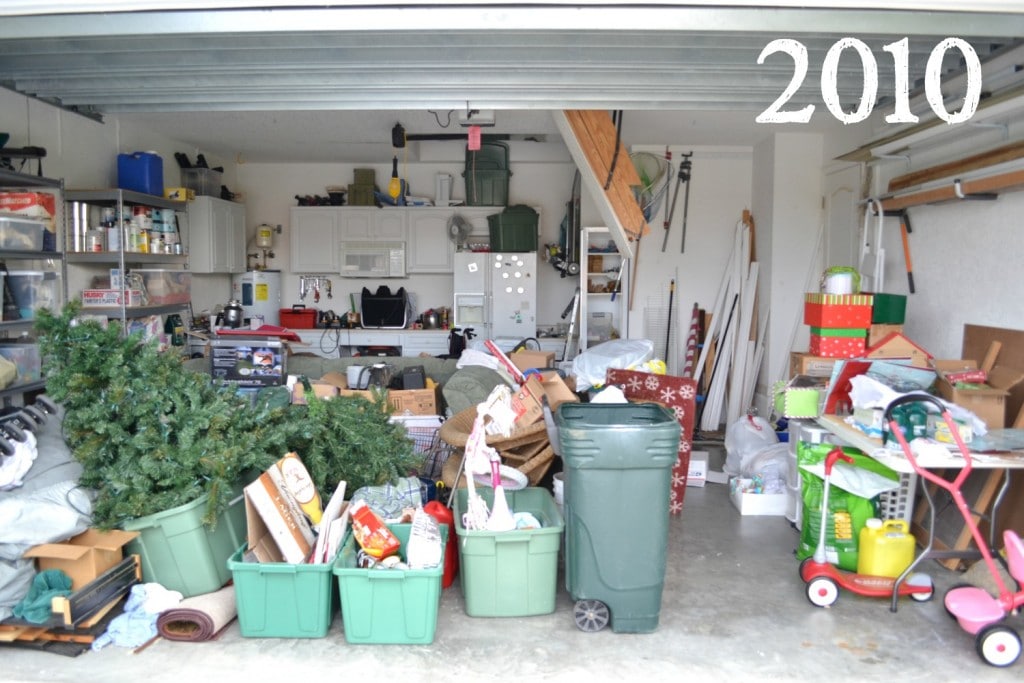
column 278, row 531
column 838, row 347
column 83, row 557
column 697, row 473
column 837, row 310
column 320, row 389
column 527, row 402
column 529, row 359
column 809, row 364
column 773, row 504
column 988, row 401
column 879, row 331
column 403, row 401
column 98, row 298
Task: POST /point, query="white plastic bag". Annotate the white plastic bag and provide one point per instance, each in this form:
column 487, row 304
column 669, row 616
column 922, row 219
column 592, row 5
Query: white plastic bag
column 590, row 367
column 771, row 466
column 743, row 440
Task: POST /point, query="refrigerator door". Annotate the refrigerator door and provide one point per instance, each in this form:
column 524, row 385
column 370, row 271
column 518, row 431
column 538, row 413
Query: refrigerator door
column 514, row 295
column 470, row 274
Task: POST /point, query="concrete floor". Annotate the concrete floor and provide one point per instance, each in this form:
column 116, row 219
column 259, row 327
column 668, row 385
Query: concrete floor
column 733, row 609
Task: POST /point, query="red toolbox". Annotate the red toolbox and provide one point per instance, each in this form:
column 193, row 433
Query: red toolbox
column 298, row 317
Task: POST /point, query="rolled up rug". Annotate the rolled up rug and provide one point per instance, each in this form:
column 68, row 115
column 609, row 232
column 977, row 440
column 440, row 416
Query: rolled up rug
column 200, row 617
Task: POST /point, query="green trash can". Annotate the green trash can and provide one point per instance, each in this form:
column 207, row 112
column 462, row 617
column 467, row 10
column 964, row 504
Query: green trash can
column 618, row 460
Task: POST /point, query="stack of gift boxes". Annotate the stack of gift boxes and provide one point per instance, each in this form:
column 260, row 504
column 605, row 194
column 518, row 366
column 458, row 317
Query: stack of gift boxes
column 839, row 323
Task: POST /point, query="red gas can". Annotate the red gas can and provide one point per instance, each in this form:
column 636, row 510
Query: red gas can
column 451, row 552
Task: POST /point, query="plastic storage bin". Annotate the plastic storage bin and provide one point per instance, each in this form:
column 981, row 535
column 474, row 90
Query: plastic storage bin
column 283, row 600
column 618, row 471
column 33, row 289
column 510, row 573
column 21, row 233
column 166, row 286
column 514, row 229
column 388, row 605
column 26, row 359
column 202, row 181
column 180, row 553
column 141, row 172
column 487, row 188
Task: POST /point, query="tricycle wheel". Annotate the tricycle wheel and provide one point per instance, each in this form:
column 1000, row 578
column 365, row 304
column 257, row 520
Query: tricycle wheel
column 998, row 645
column 591, row 615
column 822, row 591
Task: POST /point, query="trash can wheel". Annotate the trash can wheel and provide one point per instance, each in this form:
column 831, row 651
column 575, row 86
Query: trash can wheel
column 591, row 615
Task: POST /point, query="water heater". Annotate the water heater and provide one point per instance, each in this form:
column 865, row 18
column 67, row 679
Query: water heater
column 259, row 291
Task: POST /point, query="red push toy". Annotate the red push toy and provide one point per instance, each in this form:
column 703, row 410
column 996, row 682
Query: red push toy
column 824, row 579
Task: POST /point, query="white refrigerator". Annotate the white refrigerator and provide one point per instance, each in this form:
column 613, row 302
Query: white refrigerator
column 496, row 294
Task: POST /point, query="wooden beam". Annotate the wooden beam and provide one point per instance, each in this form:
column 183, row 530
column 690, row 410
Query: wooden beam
column 1012, row 180
column 975, row 162
column 590, row 137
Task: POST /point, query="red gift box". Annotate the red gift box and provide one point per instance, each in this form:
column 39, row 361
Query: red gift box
column 838, row 310
column 679, row 394
column 837, row 347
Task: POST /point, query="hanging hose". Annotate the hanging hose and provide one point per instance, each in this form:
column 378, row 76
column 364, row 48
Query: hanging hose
column 617, row 119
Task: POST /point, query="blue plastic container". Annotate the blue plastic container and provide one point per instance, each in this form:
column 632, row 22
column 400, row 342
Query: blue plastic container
column 141, row 172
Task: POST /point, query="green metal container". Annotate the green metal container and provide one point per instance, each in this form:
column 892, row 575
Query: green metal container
column 510, row 573
column 388, row 605
column 618, row 472
column 283, row 600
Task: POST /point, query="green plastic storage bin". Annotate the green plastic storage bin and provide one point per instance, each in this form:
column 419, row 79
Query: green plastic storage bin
column 393, row 606
column 492, row 156
column 514, row 229
column 283, row 600
column 618, row 471
column 180, row 553
column 510, row 573
column 487, row 187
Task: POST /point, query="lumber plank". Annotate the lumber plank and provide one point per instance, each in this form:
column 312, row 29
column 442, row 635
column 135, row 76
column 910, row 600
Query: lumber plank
column 975, row 162
column 596, row 135
column 1012, row 180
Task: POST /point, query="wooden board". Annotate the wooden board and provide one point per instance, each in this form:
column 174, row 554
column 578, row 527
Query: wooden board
column 948, row 170
column 1013, row 180
column 596, row 134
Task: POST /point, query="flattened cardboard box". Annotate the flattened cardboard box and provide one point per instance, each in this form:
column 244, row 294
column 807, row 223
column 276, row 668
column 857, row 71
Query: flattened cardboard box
column 83, row 557
column 277, row 529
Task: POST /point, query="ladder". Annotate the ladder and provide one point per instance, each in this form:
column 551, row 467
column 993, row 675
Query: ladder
column 572, row 311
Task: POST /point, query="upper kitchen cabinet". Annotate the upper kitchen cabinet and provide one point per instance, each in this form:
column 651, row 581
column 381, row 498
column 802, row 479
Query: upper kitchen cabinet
column 430, row 247
column 216, row 235
column 313, row 239
column 318, row 231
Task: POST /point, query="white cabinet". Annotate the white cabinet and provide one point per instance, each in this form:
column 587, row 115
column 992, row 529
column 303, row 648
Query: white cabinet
column 430, row 250
column 604, row 281
column 216, row 235
column 313, row 239
column 430, row 342
column 318, row 231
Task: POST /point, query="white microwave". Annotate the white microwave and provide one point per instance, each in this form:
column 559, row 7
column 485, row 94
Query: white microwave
column 373, row 259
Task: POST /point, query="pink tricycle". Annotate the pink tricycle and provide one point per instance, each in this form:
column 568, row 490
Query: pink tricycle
column 975, row 609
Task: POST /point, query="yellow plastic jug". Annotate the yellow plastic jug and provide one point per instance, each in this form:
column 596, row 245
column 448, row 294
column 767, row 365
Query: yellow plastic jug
column 885, row 548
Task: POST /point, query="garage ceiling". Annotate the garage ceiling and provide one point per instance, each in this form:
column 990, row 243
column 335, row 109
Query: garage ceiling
column 249, row 76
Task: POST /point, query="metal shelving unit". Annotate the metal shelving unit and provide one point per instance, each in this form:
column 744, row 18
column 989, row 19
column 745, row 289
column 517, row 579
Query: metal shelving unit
column 81, row 202
column 45, row 261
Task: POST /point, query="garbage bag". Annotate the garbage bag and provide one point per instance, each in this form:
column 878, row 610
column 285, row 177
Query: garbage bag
column 590, row 367
column 744, row 439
